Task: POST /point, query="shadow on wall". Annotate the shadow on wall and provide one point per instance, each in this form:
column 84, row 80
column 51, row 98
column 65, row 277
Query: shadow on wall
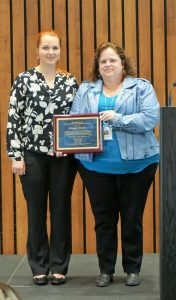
column 8, row 293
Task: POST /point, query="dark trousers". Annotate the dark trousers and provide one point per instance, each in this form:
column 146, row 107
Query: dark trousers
column 48, row 178
column 111, row 196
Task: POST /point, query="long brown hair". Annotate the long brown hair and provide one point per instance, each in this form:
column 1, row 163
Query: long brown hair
column 126, row 62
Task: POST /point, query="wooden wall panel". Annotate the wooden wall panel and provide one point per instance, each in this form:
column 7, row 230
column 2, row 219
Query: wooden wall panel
column 32, row 27
column 148, row 223
column 144, row 39
column 147, row 30
column 87, row 47
column 18, row 54
column 159, row 50
column 74, row 60
column 160, row 84
column 46, row 17
column 144, row 62
column 130, row 32
column 171, row 45
column 60, row 25
column 116, row 24
column 101, row 16
column 18, row 37
column 7, row 201
column 90, row 245
column 156, row 232
column 78, row 244
column 87, row 37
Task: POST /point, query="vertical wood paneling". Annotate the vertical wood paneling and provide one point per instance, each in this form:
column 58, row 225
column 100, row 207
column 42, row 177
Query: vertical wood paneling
column 157, row 214
column 32, row 27
column 46, row 15
column 171, row 44
column 144, row 39
column 87, row 36
column 144, row 70
column 74, row 67
column 77, row 217
column 130, row 34
column 159, row 54
column 101, row 21
column 90, row 224
column 88, row 42
column 147, row 30
column 18, row 36
column 160, row 82
column 27, row 29
column 60, row 25
column 116, row 25
column 74, row 60
column 18, row 67
column 148, row 223
column 6, row 175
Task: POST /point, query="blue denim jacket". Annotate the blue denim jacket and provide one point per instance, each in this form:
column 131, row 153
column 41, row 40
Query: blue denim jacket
column 137, row 114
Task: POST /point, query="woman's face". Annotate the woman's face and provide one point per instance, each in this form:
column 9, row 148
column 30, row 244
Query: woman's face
column 110, row 64
column 49, row 50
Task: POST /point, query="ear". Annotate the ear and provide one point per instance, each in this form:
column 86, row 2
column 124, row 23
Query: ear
column 123, row 72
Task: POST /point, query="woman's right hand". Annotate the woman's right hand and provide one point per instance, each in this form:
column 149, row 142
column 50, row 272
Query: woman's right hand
column 60, row 154
column 18, row 167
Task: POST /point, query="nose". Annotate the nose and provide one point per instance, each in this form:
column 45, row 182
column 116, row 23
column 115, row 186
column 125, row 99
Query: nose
column 50, row 50
column 108, row 63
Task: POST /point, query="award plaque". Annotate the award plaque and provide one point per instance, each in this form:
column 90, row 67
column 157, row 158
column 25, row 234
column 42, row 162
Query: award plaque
column 77, row 133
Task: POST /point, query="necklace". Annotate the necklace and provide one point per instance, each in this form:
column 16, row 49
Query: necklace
column 110, row 92
column 49, row 78
column 49, row 81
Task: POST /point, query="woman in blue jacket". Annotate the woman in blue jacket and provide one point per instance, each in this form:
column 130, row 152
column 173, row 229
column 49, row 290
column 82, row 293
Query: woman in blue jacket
column 118, row 178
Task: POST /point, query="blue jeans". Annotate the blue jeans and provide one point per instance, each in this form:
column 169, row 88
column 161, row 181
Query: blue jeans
column 112, row 196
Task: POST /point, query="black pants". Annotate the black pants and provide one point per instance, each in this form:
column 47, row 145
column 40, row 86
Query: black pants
column 48, row 178
column 111, row 196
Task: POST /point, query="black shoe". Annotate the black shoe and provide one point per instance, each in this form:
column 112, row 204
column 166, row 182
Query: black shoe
column 104, row 280
column 132, row 279
column 57, row 281
column 40, row 280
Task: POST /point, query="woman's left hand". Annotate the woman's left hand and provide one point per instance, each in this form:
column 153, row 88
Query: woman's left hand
column 107, row 115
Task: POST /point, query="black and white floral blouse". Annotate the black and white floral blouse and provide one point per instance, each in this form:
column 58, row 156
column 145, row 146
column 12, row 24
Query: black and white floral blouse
column 31, row 109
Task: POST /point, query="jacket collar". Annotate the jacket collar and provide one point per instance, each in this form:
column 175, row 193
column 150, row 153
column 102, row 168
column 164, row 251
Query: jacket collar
column 127, row 83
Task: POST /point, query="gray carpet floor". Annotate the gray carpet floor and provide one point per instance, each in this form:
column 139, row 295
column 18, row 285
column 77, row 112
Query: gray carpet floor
column 80, row 285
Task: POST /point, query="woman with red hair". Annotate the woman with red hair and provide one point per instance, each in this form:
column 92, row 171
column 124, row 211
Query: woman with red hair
column 36, row 95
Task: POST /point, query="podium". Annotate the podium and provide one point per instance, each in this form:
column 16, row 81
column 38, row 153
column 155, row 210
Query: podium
column 168, row 203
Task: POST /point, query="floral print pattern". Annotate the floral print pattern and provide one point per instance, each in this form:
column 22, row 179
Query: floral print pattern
column 31, row 109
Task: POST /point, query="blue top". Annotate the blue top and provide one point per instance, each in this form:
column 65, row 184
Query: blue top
column 136, row 114
column 110, row 160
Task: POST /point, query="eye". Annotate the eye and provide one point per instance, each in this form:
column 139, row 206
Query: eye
column 112, row 60
column 45, row 47
column 55, row 48
column 102, row 61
